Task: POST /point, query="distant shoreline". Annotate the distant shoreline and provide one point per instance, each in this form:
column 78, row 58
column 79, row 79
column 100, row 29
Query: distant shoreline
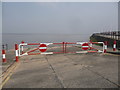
column 44, row 34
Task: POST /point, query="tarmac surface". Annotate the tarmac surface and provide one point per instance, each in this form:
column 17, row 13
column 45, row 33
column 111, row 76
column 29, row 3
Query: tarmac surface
column 66, row 71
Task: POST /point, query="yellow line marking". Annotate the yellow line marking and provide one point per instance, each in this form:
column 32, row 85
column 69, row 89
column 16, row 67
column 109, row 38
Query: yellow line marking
column 9, row 68
column 9, row 75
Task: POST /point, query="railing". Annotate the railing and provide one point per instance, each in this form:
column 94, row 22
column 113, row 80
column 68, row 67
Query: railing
column 111, row 34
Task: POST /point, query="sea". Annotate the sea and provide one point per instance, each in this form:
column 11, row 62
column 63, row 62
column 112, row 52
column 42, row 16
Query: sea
column 15, row 38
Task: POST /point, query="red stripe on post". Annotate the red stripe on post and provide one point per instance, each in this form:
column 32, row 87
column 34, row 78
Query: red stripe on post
column 16, row 51
column 105, row 46
column 17, row 59
column 22, row 42
column 3, row 51
column 16, row 47
column 114, row 46
column 3, row 58
column 105, row 50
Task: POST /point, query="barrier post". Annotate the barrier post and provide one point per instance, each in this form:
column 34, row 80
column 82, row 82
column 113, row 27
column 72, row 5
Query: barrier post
column 3, row 54
column 22, row 46
column 90, row 44
column 63, row 47
column 114, row 45
column 16, row 51
column 105, row 46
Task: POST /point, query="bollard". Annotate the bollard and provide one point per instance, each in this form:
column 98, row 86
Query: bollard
column 114, row 46
column 105, row 47
column 22, row 46
column 16, row 52
column 3, row 54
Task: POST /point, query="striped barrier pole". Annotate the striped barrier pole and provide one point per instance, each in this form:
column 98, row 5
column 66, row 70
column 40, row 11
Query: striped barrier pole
column 3, row 54
column 105, row 46
column 114, row 46
column 16, row 52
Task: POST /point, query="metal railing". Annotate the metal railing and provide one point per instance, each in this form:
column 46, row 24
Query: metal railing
column 111, row 34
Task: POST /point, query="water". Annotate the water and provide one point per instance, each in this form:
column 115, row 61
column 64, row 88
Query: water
column 11, row 39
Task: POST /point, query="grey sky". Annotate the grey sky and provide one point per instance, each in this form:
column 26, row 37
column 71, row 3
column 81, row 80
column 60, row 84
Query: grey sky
column 68, row 18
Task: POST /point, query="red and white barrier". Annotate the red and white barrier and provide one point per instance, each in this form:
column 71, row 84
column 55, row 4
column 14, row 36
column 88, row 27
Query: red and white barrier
column 16, row 52
column 86, row 46
column 3, row 54
column 41, row 48
column 114, row 46
column 99, row 43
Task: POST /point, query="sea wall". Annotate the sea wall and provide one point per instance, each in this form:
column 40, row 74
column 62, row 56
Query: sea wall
column 98, row 38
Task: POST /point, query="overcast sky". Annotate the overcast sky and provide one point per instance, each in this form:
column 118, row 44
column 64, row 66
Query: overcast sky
column 64, row 18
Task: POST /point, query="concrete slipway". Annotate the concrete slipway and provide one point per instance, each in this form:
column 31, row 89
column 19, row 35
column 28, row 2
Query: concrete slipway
column 66, row 71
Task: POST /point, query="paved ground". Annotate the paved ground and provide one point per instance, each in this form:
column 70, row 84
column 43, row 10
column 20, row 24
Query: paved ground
column 66, row 71
column 10, row 58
